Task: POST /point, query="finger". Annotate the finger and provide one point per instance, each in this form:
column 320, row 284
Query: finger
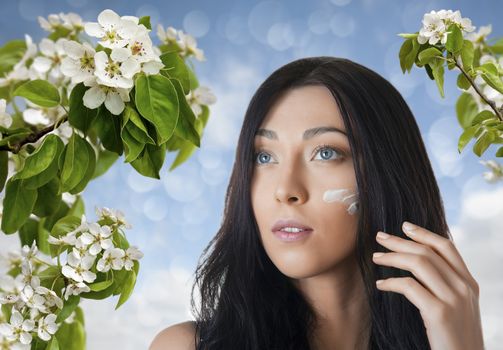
column 443, row 246
column 413, row 291
column 423, row 269
column 401, row 245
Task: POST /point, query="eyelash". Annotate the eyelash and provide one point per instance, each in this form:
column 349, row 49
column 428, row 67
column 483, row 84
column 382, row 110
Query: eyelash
column 320, row 147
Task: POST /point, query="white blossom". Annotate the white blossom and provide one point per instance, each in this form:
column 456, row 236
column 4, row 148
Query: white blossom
column 132, row 253
column 166, row 36
column 115, row 215
column 47, row 327
column 78, row 268
column 71, row 21
column 114, row 98
column 20, row 71
column 113, row 30
column 18, row 329
column 50, row 61
column 188, row 46
column 33, row 300
column 118, row 69
column 5, row 118
column 112, row 258
column 98, row 237
column 68, row 239
column 202, row 95
column 75, row 288
column 79, row 64
column 37, row 115
column 435, row 25
column 477, row 37
column 496, row 171
column 51, row 298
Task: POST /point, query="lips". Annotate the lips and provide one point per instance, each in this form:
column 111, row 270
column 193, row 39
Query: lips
column 278, row 225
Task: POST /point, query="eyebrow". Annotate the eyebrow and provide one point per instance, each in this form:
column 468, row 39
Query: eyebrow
column 309, row 133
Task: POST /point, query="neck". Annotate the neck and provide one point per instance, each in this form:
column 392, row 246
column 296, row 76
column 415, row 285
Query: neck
column 342, row 313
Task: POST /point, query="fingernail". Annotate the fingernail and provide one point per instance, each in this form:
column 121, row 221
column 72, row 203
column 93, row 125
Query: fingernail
column 382, row 235
column 407, row 226
column 379, row 282
column 376, row 255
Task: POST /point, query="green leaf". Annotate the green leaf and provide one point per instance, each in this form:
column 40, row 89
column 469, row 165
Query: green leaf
column 71, row 336
column 157, row 102
column 463, row 82
column 108, row 128
column 40, row 160
column 89, row 170
column 467, row 53
column 483, row 142
column 150, row 160
column 454, row 41
column 99, row 286
column 466, row 109
column 132, row 147
column 465, row 137
column 17, row 205
column 42, row 236
column 405, row 49
column 499, row 153
column 78, row 207
column 28, row 232
column 79, row 115
column 105, row 160
column 493, row 80
column 40, row 92
column 136, row 126
column 428, row 55
column 4, row 168
column 185, row 125
column 10, row 54
column 483, row 116
column 488, row 67
column 48, row 199
column 69, row 306
column 438, row 73
column 408, row 35
column 127, row 290
column 52, row 344
column 75, row 161
column 145, row 20
column 186, row 149
column 175, row 67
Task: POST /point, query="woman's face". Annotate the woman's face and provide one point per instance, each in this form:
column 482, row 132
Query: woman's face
column 291, row 175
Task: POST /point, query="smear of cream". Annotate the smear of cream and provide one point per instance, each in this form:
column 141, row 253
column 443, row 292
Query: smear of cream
column 346, row 196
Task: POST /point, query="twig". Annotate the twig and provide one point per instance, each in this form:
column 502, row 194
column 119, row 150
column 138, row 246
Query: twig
column 34, row 137
column 472, row 82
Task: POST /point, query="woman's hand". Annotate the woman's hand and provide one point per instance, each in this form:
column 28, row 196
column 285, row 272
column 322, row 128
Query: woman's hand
column 447, row 295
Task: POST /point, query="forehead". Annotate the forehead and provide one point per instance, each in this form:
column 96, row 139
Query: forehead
column 302, row 112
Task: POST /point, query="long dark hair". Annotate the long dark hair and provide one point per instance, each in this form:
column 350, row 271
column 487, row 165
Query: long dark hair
column 246, row 303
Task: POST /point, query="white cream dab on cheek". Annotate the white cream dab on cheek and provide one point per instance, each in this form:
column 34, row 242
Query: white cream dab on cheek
column 343, row 195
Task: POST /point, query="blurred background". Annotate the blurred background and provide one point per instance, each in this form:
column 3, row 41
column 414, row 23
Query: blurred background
column 174, row 218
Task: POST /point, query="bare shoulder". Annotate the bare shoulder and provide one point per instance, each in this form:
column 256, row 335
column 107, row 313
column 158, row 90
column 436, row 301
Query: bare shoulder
column 179, row 336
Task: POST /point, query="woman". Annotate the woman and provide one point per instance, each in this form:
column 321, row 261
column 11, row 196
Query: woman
column 331, row 145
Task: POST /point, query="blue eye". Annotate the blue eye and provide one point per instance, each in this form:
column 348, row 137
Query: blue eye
column 328, row 155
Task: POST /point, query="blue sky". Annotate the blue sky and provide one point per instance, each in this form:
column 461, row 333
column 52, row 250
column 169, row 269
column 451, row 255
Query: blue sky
column 244, row 41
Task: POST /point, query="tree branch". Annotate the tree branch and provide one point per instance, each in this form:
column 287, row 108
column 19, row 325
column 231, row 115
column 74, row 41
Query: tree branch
column 34, row 137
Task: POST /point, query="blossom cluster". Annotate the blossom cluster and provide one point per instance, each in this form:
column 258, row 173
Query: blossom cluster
column 35, row 307
column 185, row 42
column 126, row 49
column 436, row 24
column 111, row 76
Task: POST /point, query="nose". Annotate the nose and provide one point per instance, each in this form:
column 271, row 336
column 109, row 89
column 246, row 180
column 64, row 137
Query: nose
column 290, row 188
